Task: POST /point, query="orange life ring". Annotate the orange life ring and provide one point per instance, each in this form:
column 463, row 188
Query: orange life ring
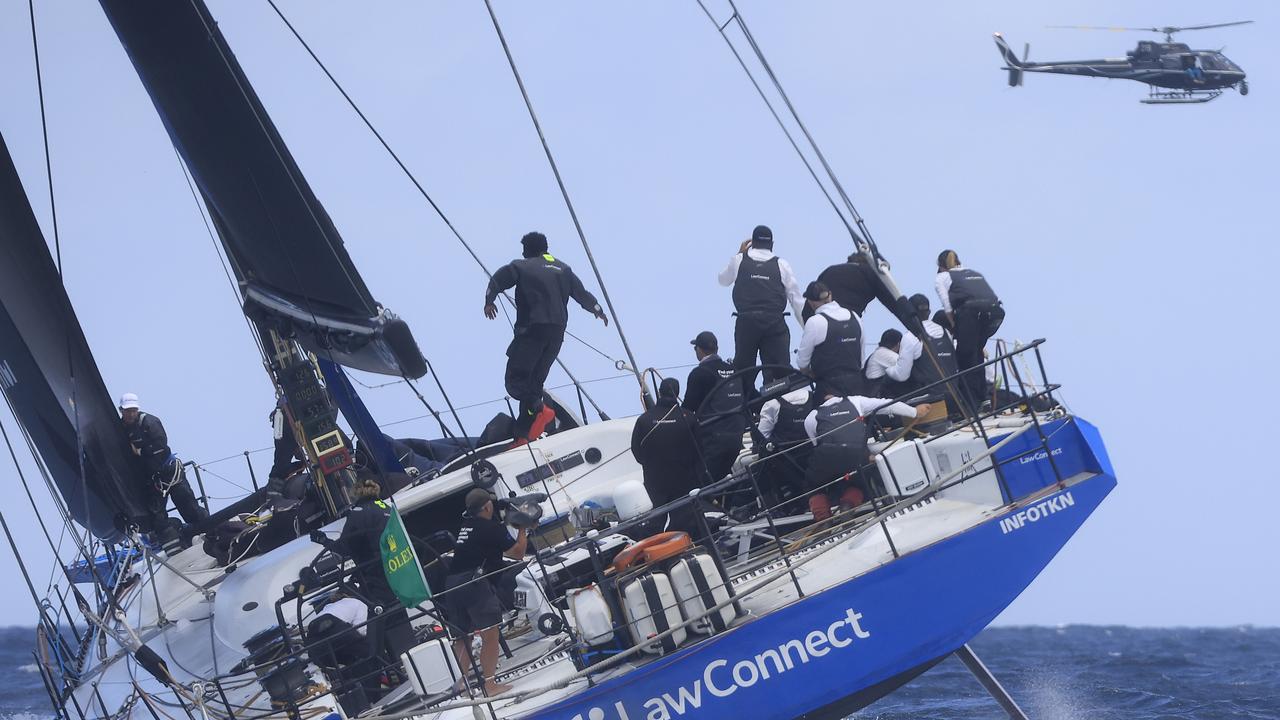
column 652, row 549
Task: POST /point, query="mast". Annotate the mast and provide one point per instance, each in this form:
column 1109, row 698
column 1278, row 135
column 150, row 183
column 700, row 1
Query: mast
column 298, row 284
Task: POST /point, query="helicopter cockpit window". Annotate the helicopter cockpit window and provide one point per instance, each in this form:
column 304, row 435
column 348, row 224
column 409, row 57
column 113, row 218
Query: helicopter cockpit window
column 1217, row 61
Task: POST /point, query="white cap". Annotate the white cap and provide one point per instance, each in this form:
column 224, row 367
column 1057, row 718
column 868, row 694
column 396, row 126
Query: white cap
column 128, row 400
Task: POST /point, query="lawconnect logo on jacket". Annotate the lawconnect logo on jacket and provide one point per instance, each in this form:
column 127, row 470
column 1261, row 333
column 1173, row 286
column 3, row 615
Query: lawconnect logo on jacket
column 721, row 678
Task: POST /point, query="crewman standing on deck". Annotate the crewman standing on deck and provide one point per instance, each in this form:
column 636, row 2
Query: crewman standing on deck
column 763, row 285
column 719, row 406
column 831, row 346
column 543, row 286
column 975, row 313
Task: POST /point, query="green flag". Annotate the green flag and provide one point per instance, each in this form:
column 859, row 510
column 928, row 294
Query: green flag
column 400, row 563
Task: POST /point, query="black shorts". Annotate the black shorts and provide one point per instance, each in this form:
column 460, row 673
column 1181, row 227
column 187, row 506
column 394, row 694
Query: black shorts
column 470, row 604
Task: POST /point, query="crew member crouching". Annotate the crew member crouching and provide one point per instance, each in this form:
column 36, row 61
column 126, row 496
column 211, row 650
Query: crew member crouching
column 165, row 475
column 838, row 429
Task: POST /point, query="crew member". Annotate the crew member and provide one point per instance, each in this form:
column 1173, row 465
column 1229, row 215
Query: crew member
column 924, row 370
column 361, row 542
column 719, row 406
column 976, row 314
column 664, row 442
column 786, row 447
column 288, row 456
column 166, row 477
column 853, row 285
column 831, row 346
column 838, row 429
column 543, row 286
column 338, row 642
column 763, row 284
column 471, row 603
column 883, row 371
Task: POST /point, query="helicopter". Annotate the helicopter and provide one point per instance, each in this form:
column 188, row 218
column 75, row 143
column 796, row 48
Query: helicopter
column 1176, row 73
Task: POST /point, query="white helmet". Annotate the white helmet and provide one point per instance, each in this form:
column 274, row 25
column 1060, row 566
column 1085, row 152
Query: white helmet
column 128, row 401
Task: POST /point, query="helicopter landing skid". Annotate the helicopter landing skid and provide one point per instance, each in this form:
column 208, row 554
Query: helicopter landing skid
column 1181, row 97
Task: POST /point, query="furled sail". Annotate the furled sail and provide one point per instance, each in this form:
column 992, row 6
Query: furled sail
column 50, row 379
column 295, row 274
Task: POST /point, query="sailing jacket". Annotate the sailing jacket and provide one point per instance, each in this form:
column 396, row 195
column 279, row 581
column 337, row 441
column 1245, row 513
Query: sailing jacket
column 543, row 286
column 150, row 443
column 763, row 283
column 361, row 542
column 960, row 286
column 782, row 419
column 724, row 404
column 664, row 444
column 827, row 417
column 854, row 285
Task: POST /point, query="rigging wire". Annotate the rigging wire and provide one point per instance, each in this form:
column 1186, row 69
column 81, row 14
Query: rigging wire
column 423, row 192
column 573, row 213
column 44, row 129
column 57, row 244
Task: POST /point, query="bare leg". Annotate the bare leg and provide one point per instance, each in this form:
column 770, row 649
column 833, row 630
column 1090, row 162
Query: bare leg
column 489, row 661
column 462, row 652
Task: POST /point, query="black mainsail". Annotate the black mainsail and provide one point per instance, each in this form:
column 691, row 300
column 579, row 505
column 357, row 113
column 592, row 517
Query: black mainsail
column 50, row 379
column 295, row 274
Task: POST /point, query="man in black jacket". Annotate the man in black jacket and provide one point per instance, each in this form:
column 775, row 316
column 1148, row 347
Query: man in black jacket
column 853, row 285
column 719, row 406
column 165, row 475
column 543, row 287
column 664, row 442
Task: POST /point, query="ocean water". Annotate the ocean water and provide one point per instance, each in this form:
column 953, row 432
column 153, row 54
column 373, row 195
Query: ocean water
column 1069, row 673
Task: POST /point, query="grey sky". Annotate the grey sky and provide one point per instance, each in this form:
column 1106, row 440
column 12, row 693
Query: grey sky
column 1137, row 239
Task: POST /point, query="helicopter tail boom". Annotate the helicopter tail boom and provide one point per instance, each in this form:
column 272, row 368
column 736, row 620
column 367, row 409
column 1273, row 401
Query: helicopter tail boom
column 1012, row 63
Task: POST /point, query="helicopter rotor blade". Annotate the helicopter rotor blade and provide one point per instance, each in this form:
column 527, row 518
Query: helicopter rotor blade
column 1026, row 51
column 1100, row 27
column 1203, row 27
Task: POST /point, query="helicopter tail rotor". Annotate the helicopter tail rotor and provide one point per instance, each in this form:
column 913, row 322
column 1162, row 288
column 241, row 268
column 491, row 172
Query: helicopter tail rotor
column 1012, row 63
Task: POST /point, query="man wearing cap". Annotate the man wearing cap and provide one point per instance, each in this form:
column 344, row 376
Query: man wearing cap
column 664, row 442
column 718, row 405
column 763, row 284
column 165, row 475
column 831, row 346
column 543, row 286
column 471, row 604
column 976, row 315
column 924, row 368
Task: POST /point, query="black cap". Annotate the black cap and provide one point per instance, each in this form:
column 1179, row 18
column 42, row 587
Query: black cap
column 535, row 243
column 706, row 340
column 762, row 237
column 476, row 499
column 816, row 291
column 669, row 388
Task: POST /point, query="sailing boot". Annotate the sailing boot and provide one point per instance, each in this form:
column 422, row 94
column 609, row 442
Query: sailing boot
column 541, row 420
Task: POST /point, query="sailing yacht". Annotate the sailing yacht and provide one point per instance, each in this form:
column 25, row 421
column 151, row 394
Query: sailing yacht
column 770, row 615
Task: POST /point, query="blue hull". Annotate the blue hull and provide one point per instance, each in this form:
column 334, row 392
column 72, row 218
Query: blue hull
column 843, row 648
